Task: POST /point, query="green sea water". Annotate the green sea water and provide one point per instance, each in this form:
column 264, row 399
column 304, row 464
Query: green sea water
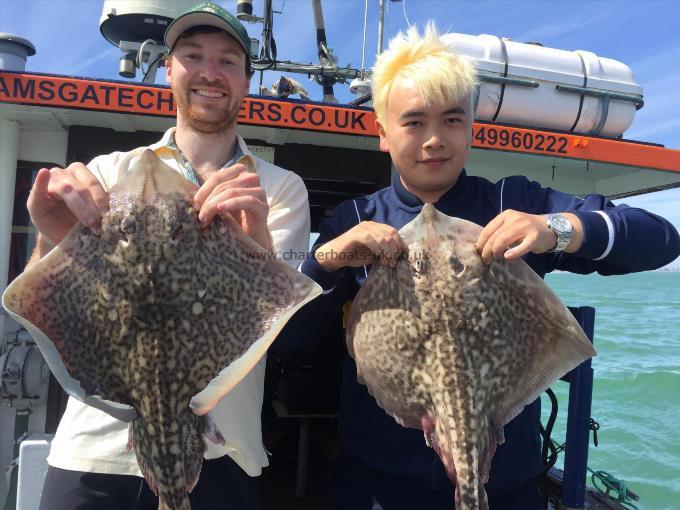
column 636, row 395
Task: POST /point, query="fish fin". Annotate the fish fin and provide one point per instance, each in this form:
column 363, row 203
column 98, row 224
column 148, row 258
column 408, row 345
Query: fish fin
column 191, row 476
column 496, row 437
column 210, row 431
column 483, row 499
column 194, row 448
column 58, row 300
column 554, row 340
column 384, row 381
column 381, row 387
column 144, row 460
column 150, row 480
column 153, row 486
column 147, row 473
column 500, row 434
column 427, row 424
column 270, row 290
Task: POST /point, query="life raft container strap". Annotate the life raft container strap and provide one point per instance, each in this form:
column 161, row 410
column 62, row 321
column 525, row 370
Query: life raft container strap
column 585, row 84
column 504, row 53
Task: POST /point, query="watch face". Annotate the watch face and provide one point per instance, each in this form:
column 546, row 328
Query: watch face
column 560, row 223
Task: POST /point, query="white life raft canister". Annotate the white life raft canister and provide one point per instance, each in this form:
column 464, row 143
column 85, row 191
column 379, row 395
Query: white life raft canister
column 527, row 84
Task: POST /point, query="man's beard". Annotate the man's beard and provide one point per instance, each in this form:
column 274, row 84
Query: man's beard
column 226, row 117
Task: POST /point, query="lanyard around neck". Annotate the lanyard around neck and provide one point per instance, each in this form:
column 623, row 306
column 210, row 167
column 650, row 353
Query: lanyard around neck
column 187, row 167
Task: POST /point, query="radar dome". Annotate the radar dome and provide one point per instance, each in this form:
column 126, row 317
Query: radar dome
column 139, row 20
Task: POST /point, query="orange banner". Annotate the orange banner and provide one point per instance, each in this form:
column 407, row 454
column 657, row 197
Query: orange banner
column 85, row 94
column 68, row 92
column 157, row 100
column 309, row 116
column 574, row 146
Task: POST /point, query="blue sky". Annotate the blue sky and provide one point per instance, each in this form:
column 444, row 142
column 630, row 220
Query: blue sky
column 642, row 34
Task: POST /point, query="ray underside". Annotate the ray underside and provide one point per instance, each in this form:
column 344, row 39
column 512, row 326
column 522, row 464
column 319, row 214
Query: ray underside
column 457, row 348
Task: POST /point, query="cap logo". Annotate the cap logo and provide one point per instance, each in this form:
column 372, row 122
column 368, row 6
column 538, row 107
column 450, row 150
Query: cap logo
column 227, row 22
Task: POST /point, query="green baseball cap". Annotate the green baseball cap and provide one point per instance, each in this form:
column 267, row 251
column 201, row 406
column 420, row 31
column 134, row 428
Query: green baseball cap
column 209, row 14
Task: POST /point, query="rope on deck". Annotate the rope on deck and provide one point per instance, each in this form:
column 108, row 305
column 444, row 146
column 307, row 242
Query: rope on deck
column 607, row 484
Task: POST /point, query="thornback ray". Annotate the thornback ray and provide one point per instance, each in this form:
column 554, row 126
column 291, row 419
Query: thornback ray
column 457, row 348
column 154, row 319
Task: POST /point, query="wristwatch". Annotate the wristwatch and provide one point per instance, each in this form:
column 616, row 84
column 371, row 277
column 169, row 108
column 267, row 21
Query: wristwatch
column 563, row 229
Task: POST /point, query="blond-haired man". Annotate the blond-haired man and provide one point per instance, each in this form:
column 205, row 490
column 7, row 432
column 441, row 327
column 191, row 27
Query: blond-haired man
column 423, row 101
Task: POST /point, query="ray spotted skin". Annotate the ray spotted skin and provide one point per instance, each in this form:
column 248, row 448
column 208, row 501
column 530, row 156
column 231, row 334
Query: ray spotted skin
column 159, row 315
column 456, row 348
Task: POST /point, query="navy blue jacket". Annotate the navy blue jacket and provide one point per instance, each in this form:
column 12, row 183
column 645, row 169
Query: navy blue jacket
column 618, row 239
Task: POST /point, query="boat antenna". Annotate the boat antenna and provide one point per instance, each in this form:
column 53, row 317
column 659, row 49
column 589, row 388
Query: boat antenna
column 363, row 47
column 362, row 85
column 326, row 57
column 403, row 8
column 381, row 20
column 267, row 58
column 326, row 72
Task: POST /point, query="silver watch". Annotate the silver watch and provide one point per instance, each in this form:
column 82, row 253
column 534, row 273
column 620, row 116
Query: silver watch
column 563, row 229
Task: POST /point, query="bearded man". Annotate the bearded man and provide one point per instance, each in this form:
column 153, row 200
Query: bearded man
column 90, row 464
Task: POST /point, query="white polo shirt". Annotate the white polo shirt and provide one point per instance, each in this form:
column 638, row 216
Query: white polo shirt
column 92, row 441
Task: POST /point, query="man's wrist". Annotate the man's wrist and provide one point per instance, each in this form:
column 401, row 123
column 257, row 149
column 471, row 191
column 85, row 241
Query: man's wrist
column 563, row 229
column 574, row 237
column 324, row 259
column 43, row 245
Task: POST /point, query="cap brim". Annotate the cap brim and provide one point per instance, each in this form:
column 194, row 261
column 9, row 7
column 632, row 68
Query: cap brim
column 195, row 19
